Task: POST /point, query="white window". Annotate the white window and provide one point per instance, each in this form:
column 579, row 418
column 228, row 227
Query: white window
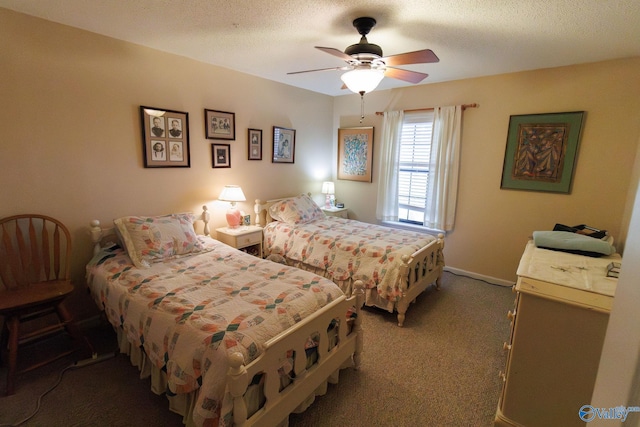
column 419, row 164
column 413, row 166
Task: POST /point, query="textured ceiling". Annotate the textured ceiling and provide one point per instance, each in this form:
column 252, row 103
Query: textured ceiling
column 270, row 38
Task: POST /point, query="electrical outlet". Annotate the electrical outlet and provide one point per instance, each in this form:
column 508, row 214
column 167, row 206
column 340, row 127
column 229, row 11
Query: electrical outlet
column 94, row 359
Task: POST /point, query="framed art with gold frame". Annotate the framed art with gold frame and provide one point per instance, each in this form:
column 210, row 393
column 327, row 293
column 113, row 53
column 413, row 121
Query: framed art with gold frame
column 355, row 154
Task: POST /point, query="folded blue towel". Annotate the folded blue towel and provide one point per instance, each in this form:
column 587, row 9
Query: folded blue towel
column 572, row 242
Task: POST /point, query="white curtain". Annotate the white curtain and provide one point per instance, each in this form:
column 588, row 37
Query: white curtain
column 443, row 170
column 387, row 205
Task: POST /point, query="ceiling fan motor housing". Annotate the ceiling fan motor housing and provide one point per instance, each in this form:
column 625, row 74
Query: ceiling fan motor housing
column 365, row 60
column 364, row 25
column 364, row 47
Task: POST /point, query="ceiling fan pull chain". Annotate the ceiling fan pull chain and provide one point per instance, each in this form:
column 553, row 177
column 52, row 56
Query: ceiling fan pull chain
column 361, row 106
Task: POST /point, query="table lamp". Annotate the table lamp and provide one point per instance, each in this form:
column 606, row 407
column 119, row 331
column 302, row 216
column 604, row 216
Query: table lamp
column 233, row 194
column 329, row 189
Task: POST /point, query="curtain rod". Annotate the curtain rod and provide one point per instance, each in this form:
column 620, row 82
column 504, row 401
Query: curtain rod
column 464, row 107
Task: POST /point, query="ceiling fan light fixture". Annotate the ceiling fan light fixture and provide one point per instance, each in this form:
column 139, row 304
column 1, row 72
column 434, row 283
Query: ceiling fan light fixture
column 362, row 80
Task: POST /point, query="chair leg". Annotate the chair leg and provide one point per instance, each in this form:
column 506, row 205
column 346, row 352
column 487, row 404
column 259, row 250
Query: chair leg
column 70, row 325
column 4, row 340
column 13, row 324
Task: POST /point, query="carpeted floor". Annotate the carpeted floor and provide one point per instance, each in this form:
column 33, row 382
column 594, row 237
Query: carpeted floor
column 440, row 369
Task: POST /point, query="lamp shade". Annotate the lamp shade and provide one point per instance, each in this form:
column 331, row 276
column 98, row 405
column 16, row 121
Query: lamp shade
column 362, row 79
column 328, row 187
column 232, row 193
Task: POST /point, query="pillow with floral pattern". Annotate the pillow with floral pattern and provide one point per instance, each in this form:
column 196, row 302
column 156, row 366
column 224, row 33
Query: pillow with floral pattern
column 156, row 238
column 296, row 210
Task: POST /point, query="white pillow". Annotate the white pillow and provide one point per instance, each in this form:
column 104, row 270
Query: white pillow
column 156, row 238
column 296, row 210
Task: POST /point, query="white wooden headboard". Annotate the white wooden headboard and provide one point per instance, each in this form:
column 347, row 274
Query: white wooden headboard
column 261, row 209
column 102, row 236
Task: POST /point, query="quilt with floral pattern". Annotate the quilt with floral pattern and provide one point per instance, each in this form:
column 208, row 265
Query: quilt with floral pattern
column 189, row 313
column 348, row 250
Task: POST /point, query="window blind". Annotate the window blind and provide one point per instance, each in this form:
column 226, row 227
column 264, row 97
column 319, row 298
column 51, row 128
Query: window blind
column 413, row 178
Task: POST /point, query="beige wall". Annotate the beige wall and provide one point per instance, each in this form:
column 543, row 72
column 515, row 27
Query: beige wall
column 492, row 225
column 70, row 144
column 71, row 140
column 618, row 381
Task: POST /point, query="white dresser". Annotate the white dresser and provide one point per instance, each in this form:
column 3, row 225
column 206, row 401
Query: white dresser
column 558, row 326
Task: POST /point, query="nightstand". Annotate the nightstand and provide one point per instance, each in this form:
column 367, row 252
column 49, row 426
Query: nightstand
column 246, row 238
column 339, row 212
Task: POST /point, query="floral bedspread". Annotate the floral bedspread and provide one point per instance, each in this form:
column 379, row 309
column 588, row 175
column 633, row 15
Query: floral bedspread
column 347, row 250
column 190, row 313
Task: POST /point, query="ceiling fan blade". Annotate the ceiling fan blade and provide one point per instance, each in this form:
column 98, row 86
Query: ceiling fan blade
column 418, row 57
column 335, row 52
column 320, row 69
column 406, row 75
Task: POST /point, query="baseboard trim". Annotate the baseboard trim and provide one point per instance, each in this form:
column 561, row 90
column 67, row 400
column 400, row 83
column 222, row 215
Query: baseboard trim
column 492, row 280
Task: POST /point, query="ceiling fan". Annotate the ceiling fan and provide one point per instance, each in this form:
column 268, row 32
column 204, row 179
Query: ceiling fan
column 367, row 66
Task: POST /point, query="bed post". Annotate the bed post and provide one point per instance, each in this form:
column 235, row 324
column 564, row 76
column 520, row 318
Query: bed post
column 357, row 323
column 96, row 235
column 440, row 259
column 238, row 382
column 205, row 217
column 259, row 208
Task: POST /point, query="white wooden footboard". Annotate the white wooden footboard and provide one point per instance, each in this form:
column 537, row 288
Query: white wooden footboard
column 306, row 382
column 345, row 350
column 421, row 269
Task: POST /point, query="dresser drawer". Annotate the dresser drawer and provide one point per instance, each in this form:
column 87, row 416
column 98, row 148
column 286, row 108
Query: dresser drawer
column 241, row 238
column 249, row 239
column 339, row 212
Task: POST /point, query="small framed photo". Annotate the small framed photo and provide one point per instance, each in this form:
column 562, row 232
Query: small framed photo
column 255, row 144
column 221, row 155
column 284, row 145
column 355, row 153
column 220, row 124
column 165, row 138
column 246, row 220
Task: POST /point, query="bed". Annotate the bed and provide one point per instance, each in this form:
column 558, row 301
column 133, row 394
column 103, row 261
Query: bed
column 395, row 265
column 231, row 339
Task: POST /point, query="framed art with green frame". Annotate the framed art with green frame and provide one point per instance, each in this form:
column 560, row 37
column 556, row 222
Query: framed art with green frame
column 541, row 151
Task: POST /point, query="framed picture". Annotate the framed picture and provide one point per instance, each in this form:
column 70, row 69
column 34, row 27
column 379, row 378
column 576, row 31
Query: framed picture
column 255, row 144
column 355, row 153
column 165, row 138
column 284, row 145
column 221, row 155
column 541, row 151
column 220, row 124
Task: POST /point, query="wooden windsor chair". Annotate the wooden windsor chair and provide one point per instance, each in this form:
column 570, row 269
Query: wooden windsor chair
column 35, row 260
